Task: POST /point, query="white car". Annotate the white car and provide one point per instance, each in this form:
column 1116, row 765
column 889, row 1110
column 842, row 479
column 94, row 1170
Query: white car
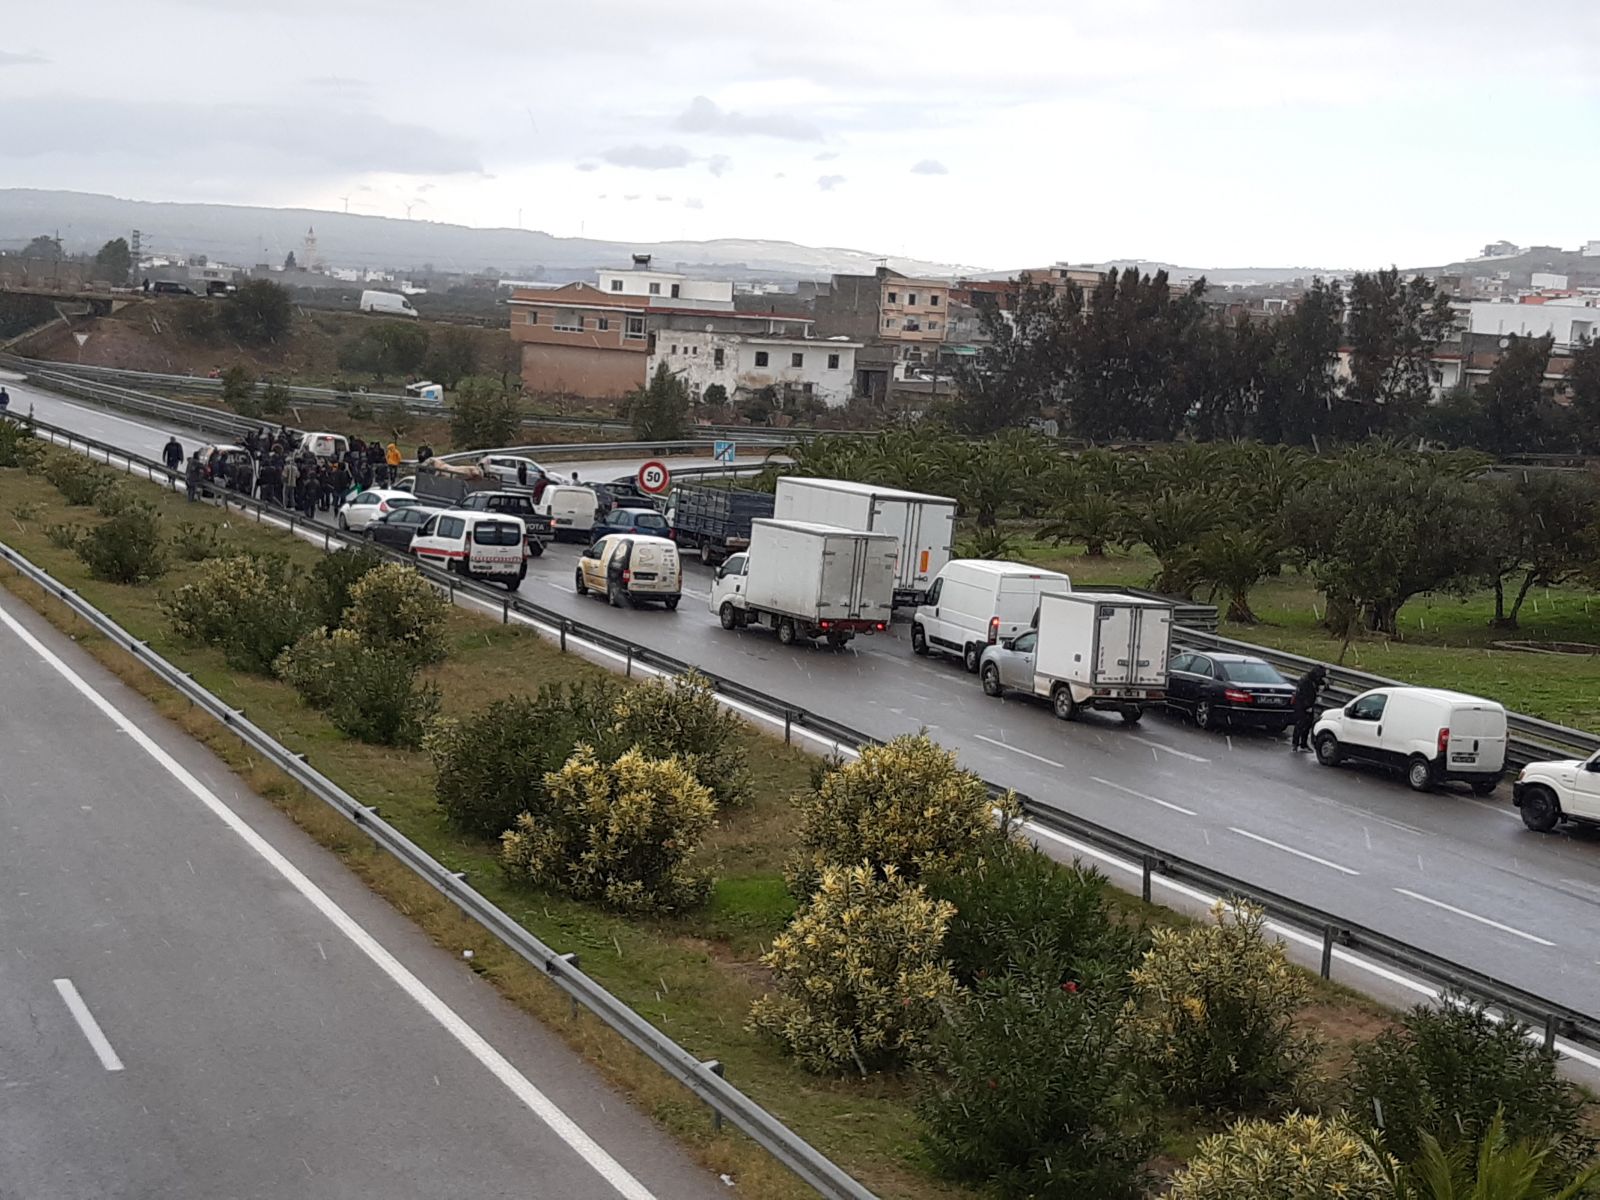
column 1565, row 790
column 365, row 507
column 1430, row 735
column 504, row 468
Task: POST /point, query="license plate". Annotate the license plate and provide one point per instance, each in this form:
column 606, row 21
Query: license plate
column 563, row 520
column 1464, row 758
column 645, row 575
column 1277, row 700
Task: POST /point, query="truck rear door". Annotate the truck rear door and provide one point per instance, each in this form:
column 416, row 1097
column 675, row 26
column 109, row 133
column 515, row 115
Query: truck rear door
column 1477, row 739
column 1152, row 641
column 1114, row 645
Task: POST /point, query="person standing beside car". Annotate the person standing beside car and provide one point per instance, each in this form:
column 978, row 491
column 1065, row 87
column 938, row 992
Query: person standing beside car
column 1305, row 705
column 191, row 476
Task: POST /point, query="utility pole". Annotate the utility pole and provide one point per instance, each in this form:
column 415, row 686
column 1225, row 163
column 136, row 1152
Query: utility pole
column 135, row 251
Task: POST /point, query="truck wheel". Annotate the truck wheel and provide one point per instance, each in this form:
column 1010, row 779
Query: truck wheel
column 919, row 641
column 1066, row 708
column 838, row 640
column 1419, row 774
column 991, row 680
column 706, row 556
column 1132, row 715
column 728, row 615
column 787, row 634
column 1540, row 812
column 1204, row 718
column 971, row 656
column 583, row 588
column 536, row 548
column 1482, row 787
column 1328, row 752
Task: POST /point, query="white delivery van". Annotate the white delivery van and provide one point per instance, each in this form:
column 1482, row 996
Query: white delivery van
column 490, row 546
column 807, row 581
column 1102, row 650
column 923, row 526
column 1432, row 735
column 571, row 509
column 387, row 303
column 631, row 567
column 978, row 602
column 326, row 445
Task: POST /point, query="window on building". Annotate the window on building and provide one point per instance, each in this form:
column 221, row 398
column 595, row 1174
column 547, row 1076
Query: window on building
column 894, row 297
column 634, row 328
column 890, row 322
column 934, row 301
column 616, row 285
column 602, row 323
column 568, row 321
column 694, row 350
column 797, row 360
column 911, row 297
column 533, row 316
column 716, row 357
column 761, row 358
column 933, row 324
column 674, row 347
column 655, row 289
column 833, row 362
column 674, row 291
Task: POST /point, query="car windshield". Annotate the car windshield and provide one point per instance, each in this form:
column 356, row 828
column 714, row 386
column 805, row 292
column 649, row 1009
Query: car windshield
column 496, row 533
column 649, row 520
column 1250, row 672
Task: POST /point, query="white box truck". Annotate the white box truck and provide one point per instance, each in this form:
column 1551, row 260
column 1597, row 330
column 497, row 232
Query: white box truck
column 924, row 526
column 807, row 580
column 1102, row 650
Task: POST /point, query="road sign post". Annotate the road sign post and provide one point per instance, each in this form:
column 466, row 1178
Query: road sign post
column 654, row 478
column 723, row 452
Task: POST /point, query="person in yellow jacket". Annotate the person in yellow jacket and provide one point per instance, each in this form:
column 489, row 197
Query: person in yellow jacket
column 392, row 457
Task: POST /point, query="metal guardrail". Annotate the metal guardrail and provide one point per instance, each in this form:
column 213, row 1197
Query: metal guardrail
column 1554, row 1019
column 1531, row 740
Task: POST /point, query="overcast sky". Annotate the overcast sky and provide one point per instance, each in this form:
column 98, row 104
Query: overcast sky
column 1006, row 133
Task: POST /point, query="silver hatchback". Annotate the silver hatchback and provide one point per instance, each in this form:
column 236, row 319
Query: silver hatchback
column 1009, row 664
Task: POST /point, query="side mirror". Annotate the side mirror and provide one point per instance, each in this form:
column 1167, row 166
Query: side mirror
column 1009, row 644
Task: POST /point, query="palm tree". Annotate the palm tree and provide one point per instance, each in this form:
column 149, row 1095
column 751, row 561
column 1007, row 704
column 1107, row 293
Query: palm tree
column 1090, row 517
column 1172, row 525
column 1501, row 1170
column 1234, row 561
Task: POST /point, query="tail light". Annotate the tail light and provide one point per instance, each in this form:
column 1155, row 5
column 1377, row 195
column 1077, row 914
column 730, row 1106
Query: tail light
column 383, row 506
column 1235, row 696
column 827, row 624
column 881, row 627
column 627, row 575
column 994, row 630
column 1444, row 742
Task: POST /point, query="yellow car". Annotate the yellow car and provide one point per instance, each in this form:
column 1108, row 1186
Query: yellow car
column 631, row 567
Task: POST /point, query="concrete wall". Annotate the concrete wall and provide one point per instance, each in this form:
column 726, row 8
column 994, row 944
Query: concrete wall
column 638, row 283
column 1569, row 322
column 694, row 358
column 592, row 372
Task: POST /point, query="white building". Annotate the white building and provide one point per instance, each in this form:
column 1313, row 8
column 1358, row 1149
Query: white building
column 665, row 289
column 798, row 368
column 1570, row 319
column 1591, row 249
column 1547, row 281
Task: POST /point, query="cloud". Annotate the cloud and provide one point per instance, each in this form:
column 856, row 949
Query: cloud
column 719, row 164
column 826, row 156
column 694, row 202
column 425, row 187
column 779, row 175
column 14, row 58
column 930, row 166
column 648, row 158
column 588, row 166
column 337, row 83
column 631, row 196
column 663, row 199
column 704, row 116
column 828, row 182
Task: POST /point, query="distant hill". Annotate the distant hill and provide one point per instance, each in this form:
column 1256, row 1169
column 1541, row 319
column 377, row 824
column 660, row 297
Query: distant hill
column 244, row 236
column 1581, row 270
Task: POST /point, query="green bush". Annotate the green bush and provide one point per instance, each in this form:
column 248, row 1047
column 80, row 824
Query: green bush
column 492, row 766
column 620, row 833
column 1034, row 1092
column 862, row 980
column 393, row 607
column 1498, row 1168
column 64, row 537
column 906, row 804
column 238, row 389
column 1021, row 912
column 117, row 497
column 483, row 413
column 18, row 446
column 328, row 586
column 126, row 548
column 369, row 693
column 248, row 606
column 1447, row 1071
column 77, row 479
column 1298, row 1158
column 1213, row 1011
column 274, row 399
column 192, row 541
column 663, row 717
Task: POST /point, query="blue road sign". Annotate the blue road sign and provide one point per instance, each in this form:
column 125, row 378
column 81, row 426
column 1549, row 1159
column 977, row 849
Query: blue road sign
column 723, row 451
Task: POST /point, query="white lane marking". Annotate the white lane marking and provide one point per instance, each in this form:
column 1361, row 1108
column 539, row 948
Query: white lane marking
column 1167, row 749
column 470, row 1039
column 1472, row 916
column 1188, row 812
column 1256, row 837
column 86, row 1022
column 1049, row 762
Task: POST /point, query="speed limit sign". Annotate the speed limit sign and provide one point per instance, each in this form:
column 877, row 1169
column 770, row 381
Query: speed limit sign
column 654, row 478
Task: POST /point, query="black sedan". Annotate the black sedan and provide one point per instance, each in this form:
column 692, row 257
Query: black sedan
column 1229, row 690
column 633, row 520
column 396, row 527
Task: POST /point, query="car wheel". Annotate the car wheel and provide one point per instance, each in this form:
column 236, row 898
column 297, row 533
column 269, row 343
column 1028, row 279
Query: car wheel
column 1328, row 752
column 970, row 657
column 671, row 603
column 919, row 641
column 1483, row 787
column 578, row 582
column 728, row 616
column 1419, row 774
column 512, row 582
column 991, row 680
column 1204, row 718
column 1132, row 715
column 343, row 524
column 787, row 633
column 1061, row 701
column 535, row 548
column 1540, row 812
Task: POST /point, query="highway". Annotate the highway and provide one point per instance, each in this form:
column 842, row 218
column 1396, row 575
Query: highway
column 1449, row 872
column 198, row 1002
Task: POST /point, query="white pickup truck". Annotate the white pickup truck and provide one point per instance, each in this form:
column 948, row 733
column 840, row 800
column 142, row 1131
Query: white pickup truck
column 1565, row 790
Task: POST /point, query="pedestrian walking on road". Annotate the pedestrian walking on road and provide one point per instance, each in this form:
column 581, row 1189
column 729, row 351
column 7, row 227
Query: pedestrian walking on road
column 5, row 401
column 172, row 454
column 1305, row 704
column 191, row 476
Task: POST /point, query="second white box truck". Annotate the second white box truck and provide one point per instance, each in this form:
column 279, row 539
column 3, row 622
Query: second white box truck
column 806, row 580
column 923, row 526
column 1102, row 650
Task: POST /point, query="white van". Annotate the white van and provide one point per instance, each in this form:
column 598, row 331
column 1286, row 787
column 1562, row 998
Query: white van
column 326, row 445
column 487, row 545
column 388, row 303
column 978, row 602
column 571, row 509
column 1434, row 736
column 632, row 567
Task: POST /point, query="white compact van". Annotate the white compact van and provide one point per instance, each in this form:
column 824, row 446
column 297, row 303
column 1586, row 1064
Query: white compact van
column 479, row 545
column 571, row 509
column 387, row 303
column 978, row 602
column 326, row 445
column 1432, row 735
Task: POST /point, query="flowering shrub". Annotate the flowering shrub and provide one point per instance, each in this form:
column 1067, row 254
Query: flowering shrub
column 862, row 982
column 370, row 693
column 1298, row 1158
column 905, row 804
column 127, row 548
column 1213, row 1008
column 621, row 833
column 328, row 586
column 664, row 717
column 247, row 605
column 393, row 606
